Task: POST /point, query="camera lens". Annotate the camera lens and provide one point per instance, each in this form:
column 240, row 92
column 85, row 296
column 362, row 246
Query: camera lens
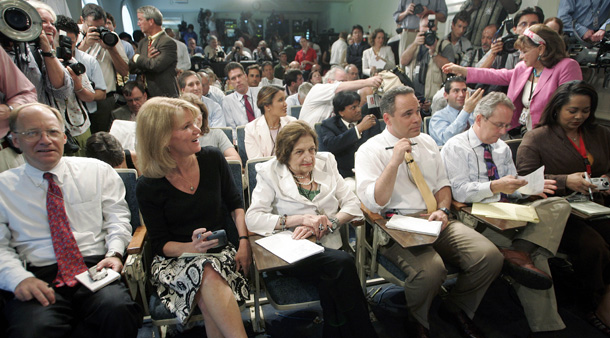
column 418, row 9
column 110, row 39
column 17, row 19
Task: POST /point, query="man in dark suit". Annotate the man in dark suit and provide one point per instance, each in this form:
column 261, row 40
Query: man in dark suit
column 343, row 133
column 355, row 50
column 135, row 95
column 156, row 58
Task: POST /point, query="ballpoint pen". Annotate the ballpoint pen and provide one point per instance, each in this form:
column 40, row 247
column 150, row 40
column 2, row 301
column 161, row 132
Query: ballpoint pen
column 589, row 180
column 392, row 147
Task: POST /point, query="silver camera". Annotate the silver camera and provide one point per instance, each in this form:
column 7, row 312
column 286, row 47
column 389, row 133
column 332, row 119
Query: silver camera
column 601, row 183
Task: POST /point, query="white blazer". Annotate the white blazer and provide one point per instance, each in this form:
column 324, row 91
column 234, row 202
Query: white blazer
column 277, row 194
column 368, row 56
column 258, row 139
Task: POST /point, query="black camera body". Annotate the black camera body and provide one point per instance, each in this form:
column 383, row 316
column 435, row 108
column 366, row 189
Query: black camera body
column 64, row 52
column 430, row 35
column 107, row 36
column 418, row 9
column 508, row 40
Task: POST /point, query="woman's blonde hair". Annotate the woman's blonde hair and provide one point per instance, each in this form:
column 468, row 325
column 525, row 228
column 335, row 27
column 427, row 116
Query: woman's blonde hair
column 154, row 126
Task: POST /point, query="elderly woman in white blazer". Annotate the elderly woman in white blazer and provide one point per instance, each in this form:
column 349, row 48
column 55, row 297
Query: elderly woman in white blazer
column 302, row 191
column 262, row 132
column 378, row 52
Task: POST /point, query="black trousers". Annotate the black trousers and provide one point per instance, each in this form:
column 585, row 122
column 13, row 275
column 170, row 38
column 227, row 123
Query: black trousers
column 77, row 312
column 344, row 307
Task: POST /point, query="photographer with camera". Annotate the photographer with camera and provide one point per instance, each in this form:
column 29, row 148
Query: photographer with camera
column 213, row 51
column 96, row 40
column 238, row 53
column 502, row 53
column 408, row 15
column 425, row 57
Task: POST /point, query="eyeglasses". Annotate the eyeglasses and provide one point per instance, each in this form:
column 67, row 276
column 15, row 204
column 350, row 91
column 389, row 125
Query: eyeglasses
column 500, row 125
column 36, row 134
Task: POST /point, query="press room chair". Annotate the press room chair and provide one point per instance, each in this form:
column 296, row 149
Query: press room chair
column 514, row 145
column 283, row 292
column 139, row 258
column 228, row 131
column 295, row 111
column 241, row 145
column 426, row 124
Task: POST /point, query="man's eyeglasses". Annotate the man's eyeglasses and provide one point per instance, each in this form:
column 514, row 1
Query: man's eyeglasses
column 500, row 125
column 36, row 134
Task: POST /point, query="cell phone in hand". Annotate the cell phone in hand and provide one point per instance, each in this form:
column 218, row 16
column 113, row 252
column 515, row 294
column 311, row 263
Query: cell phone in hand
column 221, row 236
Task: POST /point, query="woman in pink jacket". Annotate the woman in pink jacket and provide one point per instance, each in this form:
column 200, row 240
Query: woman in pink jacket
column 545, row 66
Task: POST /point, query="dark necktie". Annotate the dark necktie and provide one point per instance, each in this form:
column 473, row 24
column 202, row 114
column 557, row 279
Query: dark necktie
column 351, row 125
column 70, row 261
column 492, row 169
column 249, row 110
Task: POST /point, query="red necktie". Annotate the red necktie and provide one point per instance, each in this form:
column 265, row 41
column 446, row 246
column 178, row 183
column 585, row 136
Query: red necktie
column 70, row 262
column 249, row 110
column 492, row 169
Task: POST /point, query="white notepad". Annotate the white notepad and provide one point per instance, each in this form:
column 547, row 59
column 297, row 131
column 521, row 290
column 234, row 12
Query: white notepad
column 414, row 224
column 84, row 279
column 288, row 249
column 590, row 208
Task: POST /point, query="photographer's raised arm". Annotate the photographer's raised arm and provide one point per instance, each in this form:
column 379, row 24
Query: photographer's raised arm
column 55, row 71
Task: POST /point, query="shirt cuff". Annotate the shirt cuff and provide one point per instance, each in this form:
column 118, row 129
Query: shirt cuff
column 357, row 132
column 135, row 57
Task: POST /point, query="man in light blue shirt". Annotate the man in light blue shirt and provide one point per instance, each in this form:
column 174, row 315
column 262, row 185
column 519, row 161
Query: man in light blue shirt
column 457, row 116
column 591, row 18
column 190, row 82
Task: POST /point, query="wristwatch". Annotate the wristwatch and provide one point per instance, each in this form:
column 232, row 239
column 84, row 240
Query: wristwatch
column 50, row 54
column 114, row 254
column 445, row 210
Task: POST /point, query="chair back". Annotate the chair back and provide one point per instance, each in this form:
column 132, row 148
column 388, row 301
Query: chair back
column 251, row 172
column 425, row 124
column 514, row 145
column 318, row 128
column 295, row 111
column 130, row 177
column 241, row 145
column 228, row 131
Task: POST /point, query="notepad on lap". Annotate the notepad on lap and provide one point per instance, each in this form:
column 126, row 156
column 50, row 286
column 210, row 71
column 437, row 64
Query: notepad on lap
column 288, row 249
column 590, row 208
column 416, row 225
column 84, row 279
column 510, row 211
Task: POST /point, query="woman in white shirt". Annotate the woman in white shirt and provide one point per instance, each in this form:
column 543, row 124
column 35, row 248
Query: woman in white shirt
column 379, row 57
column 262, row 132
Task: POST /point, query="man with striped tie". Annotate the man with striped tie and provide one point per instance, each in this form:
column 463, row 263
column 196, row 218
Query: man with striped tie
column 481, row 169
column 59, row 216
column 240, row 106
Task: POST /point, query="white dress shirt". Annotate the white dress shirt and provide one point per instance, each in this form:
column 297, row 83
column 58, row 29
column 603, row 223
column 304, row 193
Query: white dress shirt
column 372, row 158
column 105, row 60
column 368, row 57
column 277, row 194
column 94, row 197
column 467, row 171
column 338, row 52
column 215, row 94
column 94, row 73
column 235, row 109
column 275, row 82
column 258, row 140
column 447, row 123
column 216, row 117
column 184, row 60
column 318, row 106
column 292, row 100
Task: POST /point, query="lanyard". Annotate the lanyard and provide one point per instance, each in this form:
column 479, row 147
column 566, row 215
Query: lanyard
column 582, row 151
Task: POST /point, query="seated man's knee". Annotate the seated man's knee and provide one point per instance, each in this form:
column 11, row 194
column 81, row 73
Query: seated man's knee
column 30, row 319
column 431, row 276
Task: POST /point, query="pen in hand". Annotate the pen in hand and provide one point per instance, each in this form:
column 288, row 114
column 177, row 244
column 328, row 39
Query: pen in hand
column 589, row 180
column 392, row 147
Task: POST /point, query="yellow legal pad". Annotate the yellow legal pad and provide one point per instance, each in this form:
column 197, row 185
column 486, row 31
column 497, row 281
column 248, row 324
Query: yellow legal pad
column 511, row 211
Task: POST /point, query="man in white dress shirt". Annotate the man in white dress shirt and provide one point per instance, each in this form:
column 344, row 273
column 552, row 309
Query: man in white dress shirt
column 240, row 106
column 338, row 51
column 190, row 82
column 268, row 78
column 468, row 158
column 318, row 104
column 83, row 199
column 387, row 184
column 298, row 98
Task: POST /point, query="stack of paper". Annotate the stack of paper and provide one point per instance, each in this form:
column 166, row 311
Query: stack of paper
column 288, row 249
column 590, row 208
column 510, row 211
column 416, row 225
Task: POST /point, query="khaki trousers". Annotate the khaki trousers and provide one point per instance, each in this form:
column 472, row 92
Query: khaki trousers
column 477, row 258
column 540, row 306
column 406, row 38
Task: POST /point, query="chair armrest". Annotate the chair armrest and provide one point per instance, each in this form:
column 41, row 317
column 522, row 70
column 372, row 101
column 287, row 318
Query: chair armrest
column 369, row 215
column 457, row 206
column 137, row 241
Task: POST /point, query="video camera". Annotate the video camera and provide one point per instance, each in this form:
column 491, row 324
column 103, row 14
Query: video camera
column 508, row 40
column 108, row 37
column 430, row 35
column 595, row 56
column 64, row 52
